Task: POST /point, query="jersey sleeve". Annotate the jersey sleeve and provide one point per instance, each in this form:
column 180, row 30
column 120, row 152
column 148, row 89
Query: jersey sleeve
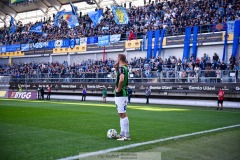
column 121, row 71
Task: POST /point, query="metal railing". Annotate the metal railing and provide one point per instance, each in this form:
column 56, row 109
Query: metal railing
column 203, row 76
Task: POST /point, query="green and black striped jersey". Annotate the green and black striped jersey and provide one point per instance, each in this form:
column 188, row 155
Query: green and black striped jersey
column 123, row 92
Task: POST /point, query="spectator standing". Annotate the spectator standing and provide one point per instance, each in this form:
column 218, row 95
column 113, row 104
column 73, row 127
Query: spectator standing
column 148, row 93
column 19, row 88
column 129, row 90
column 104, row 94
column 48, row 92
column 220, row 98
column 42, row 93
column 84, row 94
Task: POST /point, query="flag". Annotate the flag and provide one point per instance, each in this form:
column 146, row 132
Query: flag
column 74, row 9
column 37, row 28
column 96, row 16
column 103, row 40
column 156, row 42
column 149, row 45
column 230, row 26
column 161, row 41
column 71, row 19
column 120, row 15
column 187, row 38
column 12, row 26
column 25, row 47
column 219, row 27
column 58, row 18
column 115, row 38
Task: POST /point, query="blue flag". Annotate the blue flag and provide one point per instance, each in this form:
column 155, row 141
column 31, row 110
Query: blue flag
column 37, row 28
column 58, row 18
column 156, row 42
column 74, row 9
column 187, row 38
column 161, row 41
column 194, row 46
column 149, row 45
column 96, row 17
column 12, row 26
column 120, row 15
column 71, row 19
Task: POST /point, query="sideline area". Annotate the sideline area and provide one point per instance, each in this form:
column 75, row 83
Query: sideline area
column 185, row 102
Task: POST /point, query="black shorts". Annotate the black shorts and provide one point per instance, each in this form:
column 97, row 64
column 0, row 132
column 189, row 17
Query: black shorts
column 220, row 101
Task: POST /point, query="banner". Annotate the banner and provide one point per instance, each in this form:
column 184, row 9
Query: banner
column 72, row 43
column 140, row 87
column 115, row 38
column 236, row 38
column 58, row 43
column 77, row 41
column 40, row 45
column 13, row 47
column 96, row 16
column 51, row 44
column 24, row 47
column 22, row 95
column 133, row 44
column 186, row 48
column 65, row 43
column 83, row 41
column 156, row 42
column 194, row 46
column 219, row 27
column 92, row 40
column 162, row 41
column 149, row 45
column 230, row 26
column 4, row 49
column 10, row 54
column 3, row 94
column 225, row 45
column 103, row 40
column 77, row 48
column 37, row 28
column 120, row 15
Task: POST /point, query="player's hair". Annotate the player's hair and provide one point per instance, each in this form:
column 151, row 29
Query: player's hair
column 122, row 57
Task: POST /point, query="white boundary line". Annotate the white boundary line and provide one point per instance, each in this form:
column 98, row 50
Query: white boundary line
column 144, row 143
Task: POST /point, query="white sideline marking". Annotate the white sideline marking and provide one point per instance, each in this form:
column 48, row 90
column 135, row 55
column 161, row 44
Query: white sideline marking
column 144, row 143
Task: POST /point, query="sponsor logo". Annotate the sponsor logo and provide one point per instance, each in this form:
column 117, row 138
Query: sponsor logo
column 68, row 86
column 237, row 88
column 199, row 88
column 21, row 95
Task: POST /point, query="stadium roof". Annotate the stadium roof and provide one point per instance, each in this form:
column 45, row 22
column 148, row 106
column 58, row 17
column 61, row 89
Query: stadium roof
column 36, row 9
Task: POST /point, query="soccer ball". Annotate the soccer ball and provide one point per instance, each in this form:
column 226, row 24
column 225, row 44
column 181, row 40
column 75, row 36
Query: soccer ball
column 111, row 133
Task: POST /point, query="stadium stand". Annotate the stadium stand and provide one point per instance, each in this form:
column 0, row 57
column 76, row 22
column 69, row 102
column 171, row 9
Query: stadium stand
column 173, row 15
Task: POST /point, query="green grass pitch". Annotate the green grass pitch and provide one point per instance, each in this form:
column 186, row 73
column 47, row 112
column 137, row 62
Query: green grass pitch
column 58, row 129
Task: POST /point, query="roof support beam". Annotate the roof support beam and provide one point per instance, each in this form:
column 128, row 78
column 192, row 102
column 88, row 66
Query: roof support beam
column 7, row 10
column 97, row 3
column 42, row 7
column 55, row 3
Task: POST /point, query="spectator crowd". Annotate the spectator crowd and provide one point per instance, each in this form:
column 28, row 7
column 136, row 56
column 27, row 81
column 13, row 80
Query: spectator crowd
column 139, row 68
column 173, row 15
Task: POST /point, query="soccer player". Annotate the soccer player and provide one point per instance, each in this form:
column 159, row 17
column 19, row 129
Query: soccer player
column 121, row 96
column 220, row 98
